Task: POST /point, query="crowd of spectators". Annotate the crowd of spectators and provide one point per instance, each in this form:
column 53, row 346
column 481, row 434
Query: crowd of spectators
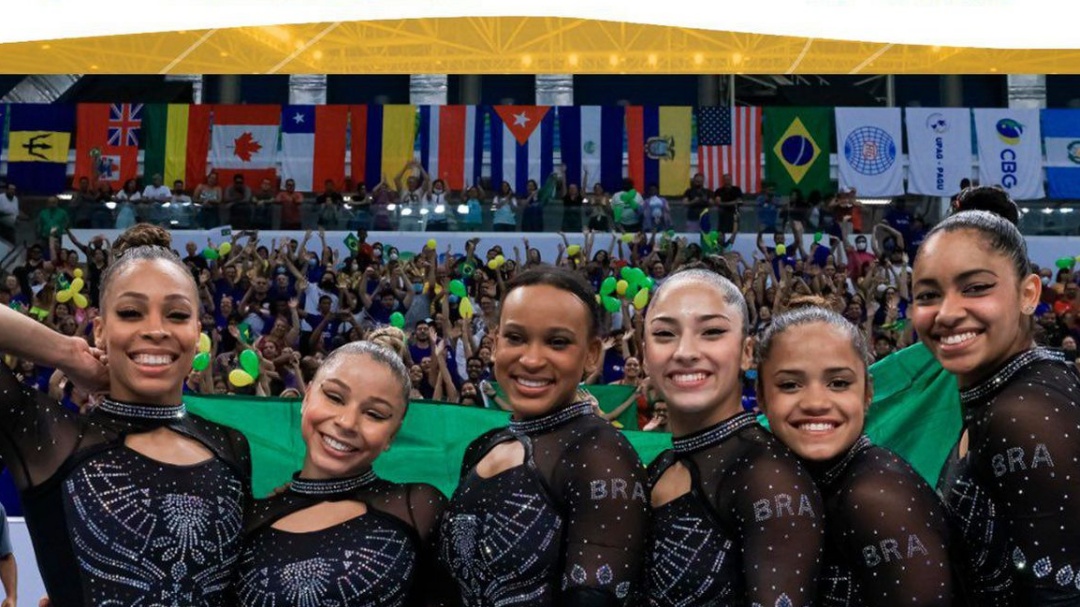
column 293, row 300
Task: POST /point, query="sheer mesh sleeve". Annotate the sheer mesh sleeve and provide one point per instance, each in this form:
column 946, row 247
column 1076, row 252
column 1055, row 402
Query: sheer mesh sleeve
column 776, row 512
column 892, row 531
column 1028, row 459
column 601, row 485
column 433, row 585
column 36, row 433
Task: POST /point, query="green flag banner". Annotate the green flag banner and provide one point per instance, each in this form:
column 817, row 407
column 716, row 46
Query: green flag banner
column 797, row 147
column 916, row 409
column 609, row 397
column 429, row 448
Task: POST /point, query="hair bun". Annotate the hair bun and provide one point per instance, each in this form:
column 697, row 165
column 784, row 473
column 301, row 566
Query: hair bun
column 142, row 235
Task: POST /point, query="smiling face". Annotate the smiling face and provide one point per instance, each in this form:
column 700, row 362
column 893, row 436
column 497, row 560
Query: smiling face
column 351, row 412
column 815, row 404
column 967, row 304
column 694, row 353
column 149, row 329
column 543, row 348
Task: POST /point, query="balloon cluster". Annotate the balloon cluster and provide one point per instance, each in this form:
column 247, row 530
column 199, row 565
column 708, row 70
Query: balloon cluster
column 633, row 285
column 1066, row 263
column 223, row 250
column 465, row 307
column 202, row 359
column 497, row 262
column 248, row 371
column 72, row 292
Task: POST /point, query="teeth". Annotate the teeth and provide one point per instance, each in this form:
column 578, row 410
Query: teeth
column 532, row 383
column 153, row 360
column 952, row 340
column 688, row 378
column 818, row 426
column 336, row 445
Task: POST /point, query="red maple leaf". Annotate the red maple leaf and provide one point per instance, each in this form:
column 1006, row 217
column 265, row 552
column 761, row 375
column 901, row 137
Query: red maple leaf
column 245, row 145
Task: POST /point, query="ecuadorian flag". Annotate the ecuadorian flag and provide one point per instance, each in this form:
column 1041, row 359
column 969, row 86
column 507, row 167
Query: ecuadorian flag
column 39, row 140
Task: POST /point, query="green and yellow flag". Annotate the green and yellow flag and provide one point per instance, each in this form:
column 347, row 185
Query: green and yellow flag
column 797, row 148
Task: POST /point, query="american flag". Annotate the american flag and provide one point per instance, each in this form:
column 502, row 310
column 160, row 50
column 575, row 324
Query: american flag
column 729, row 143
column 125, row 121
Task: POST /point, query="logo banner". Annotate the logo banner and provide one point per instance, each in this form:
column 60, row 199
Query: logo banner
column 868, row 142
column 939, row 150
column 1010, row 151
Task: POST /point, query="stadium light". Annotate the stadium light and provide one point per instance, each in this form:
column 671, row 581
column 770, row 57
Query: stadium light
column 391, row 207
column 110, row 205
column 424, row 211
column 463, row 209
column 406, row 212
column 874, row 202
column 65, row 196
column 440, row 208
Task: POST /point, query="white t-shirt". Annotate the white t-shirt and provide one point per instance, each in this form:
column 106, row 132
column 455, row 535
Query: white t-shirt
column 157, row 193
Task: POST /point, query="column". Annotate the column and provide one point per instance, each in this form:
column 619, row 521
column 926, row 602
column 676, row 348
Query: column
column 708, row 90
column 229, row 89
column 196, row 82
column 554, row 89
column 307, row 89
column 1027, row 91
column 470, row 87
column 428, row 89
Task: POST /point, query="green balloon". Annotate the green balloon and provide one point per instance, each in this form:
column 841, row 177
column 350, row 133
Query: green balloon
column 210, row 253
column 818, row 236
column 201, row 362
column 611, row 304
column 631, row 291
column 397, row 320
column 627, row 274
column 608, row 286
column 648, row 283
column 249, row 361
column 1065, row 263
column 458, row 288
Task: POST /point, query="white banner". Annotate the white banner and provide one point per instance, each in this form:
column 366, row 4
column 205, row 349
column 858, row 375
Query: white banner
column 939, row 149
column 868, row 144
column 1010, row 151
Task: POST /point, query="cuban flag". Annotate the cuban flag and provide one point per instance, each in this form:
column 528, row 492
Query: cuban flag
column 591, row 139
column 452, row 144
column 522, row 145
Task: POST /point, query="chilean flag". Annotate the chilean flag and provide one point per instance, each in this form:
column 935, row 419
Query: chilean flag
column 452, row 144
column 313, row 145
column 522, row 145
column 244, row 140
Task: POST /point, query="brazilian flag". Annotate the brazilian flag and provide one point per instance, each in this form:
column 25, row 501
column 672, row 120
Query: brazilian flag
column 797, row 147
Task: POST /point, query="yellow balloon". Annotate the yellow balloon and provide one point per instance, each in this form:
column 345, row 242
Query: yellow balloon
column 781, row 249
column 76, row 285
column 80, row 300
column 573, row 250
column 225, row 248
column 431, row 244
column 63, row 296
column 465, row 308
column 621, row 287
column 78, row 272
column 493, row 264
column 240, row 378
column 641, row 299
column 628, row 238
column 500, row 260
column 204, row 342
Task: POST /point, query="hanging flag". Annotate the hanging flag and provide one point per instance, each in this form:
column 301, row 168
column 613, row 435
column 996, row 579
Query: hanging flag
column 313, row 145
column 797, row 148
column 244, row 141
column 729, row 143
column 176, row 138
column 383, row 139
column 869, row 141
column 522, row 145
column 939, row 149
column 107, row 142
column 658, row 147
column 452, row 144
column 591, row 139
column 39, row 140
column 1010, row 151
column 1061, row 136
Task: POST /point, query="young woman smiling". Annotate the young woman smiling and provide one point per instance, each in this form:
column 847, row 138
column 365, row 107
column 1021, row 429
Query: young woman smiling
column 340, row 535
column 138, row 502
column 552, row 510
column 736, row 518
column 885, row 532
column 1010, row 483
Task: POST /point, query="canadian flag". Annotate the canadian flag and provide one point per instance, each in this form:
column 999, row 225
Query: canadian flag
column 244, row 141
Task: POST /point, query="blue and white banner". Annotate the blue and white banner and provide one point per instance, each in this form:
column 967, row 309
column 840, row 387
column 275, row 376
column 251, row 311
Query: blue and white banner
column 1010, row 151
column 868, row 142
column 522, row 145
column 591, row 138
column 1061, row 136
column 939, row 149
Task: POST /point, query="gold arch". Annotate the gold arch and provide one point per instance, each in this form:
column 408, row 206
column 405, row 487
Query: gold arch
column 505, row 45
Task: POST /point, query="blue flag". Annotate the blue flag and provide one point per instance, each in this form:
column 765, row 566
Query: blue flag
column 1061, row 134
column 39, row 140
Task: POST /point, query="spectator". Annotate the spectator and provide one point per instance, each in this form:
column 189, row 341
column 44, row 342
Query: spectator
column 52, row 220
column 727, row 197
column 505, row 206
column 657, row 213
column 627, row 208
column 768, row 209
column 696, row 201
column 289, row 200
column 209, row 197
column 237, row 195
column 9, row 212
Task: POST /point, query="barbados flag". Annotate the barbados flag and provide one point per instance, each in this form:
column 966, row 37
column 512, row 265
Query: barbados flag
column 797, row 148
column 383, row 140
column 38, row 144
